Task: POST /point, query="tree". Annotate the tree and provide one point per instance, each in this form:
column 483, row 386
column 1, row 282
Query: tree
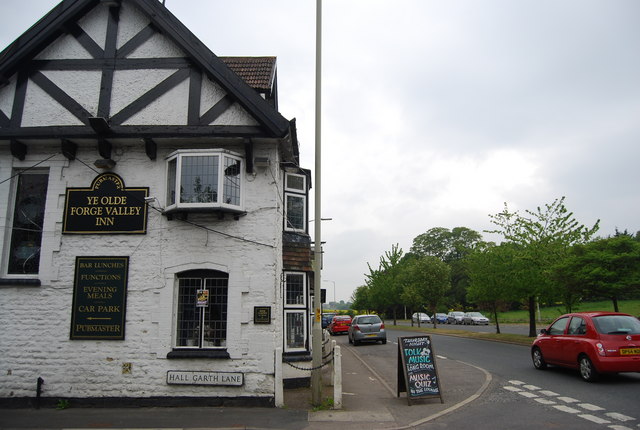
column 494, row 275
column 545, row 236
column 604, row 268
column 425, row 281
column 450, row 246
column 384, row 287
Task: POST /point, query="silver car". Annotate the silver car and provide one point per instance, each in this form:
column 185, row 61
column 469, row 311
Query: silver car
column 455, row 317
column 473, row 318
column 366, row 328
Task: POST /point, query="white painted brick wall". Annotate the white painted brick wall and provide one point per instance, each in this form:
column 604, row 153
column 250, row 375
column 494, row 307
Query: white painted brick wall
column 36, row 321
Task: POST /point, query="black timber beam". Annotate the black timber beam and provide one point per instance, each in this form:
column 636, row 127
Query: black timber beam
column 69, row 149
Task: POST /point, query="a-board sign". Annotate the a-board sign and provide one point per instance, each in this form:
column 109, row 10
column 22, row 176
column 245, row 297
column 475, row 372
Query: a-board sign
column 417, row 372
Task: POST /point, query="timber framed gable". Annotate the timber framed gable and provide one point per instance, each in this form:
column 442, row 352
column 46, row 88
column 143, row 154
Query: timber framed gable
column 125, row 69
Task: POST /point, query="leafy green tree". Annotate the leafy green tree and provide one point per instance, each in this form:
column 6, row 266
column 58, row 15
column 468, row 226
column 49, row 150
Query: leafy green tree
column 604, row 268
column 425, row 280
column 383, row 283
column 360, row 299
column 494, row 275
column 450, row 246
column 545, row 236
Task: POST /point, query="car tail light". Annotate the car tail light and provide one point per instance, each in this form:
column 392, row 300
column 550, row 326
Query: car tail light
column 382, row 326
column 355, row 327
column 601, row 350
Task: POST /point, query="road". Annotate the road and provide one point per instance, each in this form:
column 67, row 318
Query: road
column 513, row 399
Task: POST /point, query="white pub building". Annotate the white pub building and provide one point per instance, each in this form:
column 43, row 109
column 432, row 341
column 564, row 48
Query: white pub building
column 153, row 214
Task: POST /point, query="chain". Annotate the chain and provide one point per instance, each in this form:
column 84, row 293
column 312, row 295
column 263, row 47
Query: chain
column 312, row 368
column 329, row 354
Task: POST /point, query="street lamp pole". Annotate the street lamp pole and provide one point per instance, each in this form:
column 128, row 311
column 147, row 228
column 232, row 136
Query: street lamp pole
column 316, row 344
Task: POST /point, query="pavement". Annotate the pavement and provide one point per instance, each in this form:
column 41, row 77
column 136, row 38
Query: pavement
column 369, row 402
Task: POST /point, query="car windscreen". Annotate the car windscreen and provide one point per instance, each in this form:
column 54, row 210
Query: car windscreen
column 617, row 324
column 369, row 320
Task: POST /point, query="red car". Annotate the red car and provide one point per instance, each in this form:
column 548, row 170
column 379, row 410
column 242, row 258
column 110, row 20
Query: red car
column 592, row 342
column 339, row 324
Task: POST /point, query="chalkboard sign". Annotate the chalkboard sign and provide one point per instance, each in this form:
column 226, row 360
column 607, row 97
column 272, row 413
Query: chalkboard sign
column 417, row 373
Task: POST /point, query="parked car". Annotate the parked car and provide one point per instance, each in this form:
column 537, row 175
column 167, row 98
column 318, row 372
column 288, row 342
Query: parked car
column 441, row 318
column 475, row 318
column 591, row 342
column 339, row 324
column 326, row 319
column 420, row 317
column 367, row 328
column 455, row 317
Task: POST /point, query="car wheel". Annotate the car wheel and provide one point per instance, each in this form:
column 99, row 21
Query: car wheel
column 355, row 342
column 384, row 341
column 587, row 371
column 538, row 359
column 349, row 337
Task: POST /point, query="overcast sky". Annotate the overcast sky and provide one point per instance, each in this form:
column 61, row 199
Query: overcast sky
column 436, row 112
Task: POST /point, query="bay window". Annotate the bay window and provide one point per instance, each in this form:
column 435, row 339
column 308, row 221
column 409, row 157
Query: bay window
column 204, row 179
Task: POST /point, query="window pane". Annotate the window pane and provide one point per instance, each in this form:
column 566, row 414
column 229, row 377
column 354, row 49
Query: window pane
column 295, row 289
column 231, row 192
column 199, row 179
column 295, row 182
column 171, row 182
column 188, row 314
column 28, row 218
column 295, row 329
column 295, row 212
column 215, row 322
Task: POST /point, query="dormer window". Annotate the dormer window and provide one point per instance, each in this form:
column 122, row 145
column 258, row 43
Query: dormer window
column 201, row 180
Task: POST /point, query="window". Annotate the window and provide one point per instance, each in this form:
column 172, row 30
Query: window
column 295, row 199
column 577, row 326
column 202, row 309
column 295, row 182
column 559, row 326
column 204, row 180
column 295, row 298
column 295, row 212
column 295, row 291
column 295, row 323
column 28, row 218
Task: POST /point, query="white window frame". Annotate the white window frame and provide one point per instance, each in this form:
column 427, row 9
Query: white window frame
column 302, row 305
column 222, row 154
column 302, row 312
column 8, row 239
column 302, row 190
column 287, row 224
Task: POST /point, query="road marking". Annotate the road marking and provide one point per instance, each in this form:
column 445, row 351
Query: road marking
column 545, row 401
column 619, row 427
column 566, row 409
column 619, row 417
column 568, row 399
column 594, row 419
column 515, row 389
column 441, row 357
column 528, row 394
column 516, row 382
column 549, row 393
column 590, row 407
column 531, row 387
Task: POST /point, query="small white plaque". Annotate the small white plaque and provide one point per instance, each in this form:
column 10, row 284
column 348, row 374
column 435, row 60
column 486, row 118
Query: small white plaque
column 180, row 377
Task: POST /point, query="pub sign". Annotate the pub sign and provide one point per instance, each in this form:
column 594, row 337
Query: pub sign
column 107, row 207
column 99, row 298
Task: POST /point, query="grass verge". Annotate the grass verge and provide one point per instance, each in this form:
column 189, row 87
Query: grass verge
column 496, row 337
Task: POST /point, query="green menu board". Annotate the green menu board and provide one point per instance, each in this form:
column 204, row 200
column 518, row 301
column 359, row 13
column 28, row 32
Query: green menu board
column 99, row 298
